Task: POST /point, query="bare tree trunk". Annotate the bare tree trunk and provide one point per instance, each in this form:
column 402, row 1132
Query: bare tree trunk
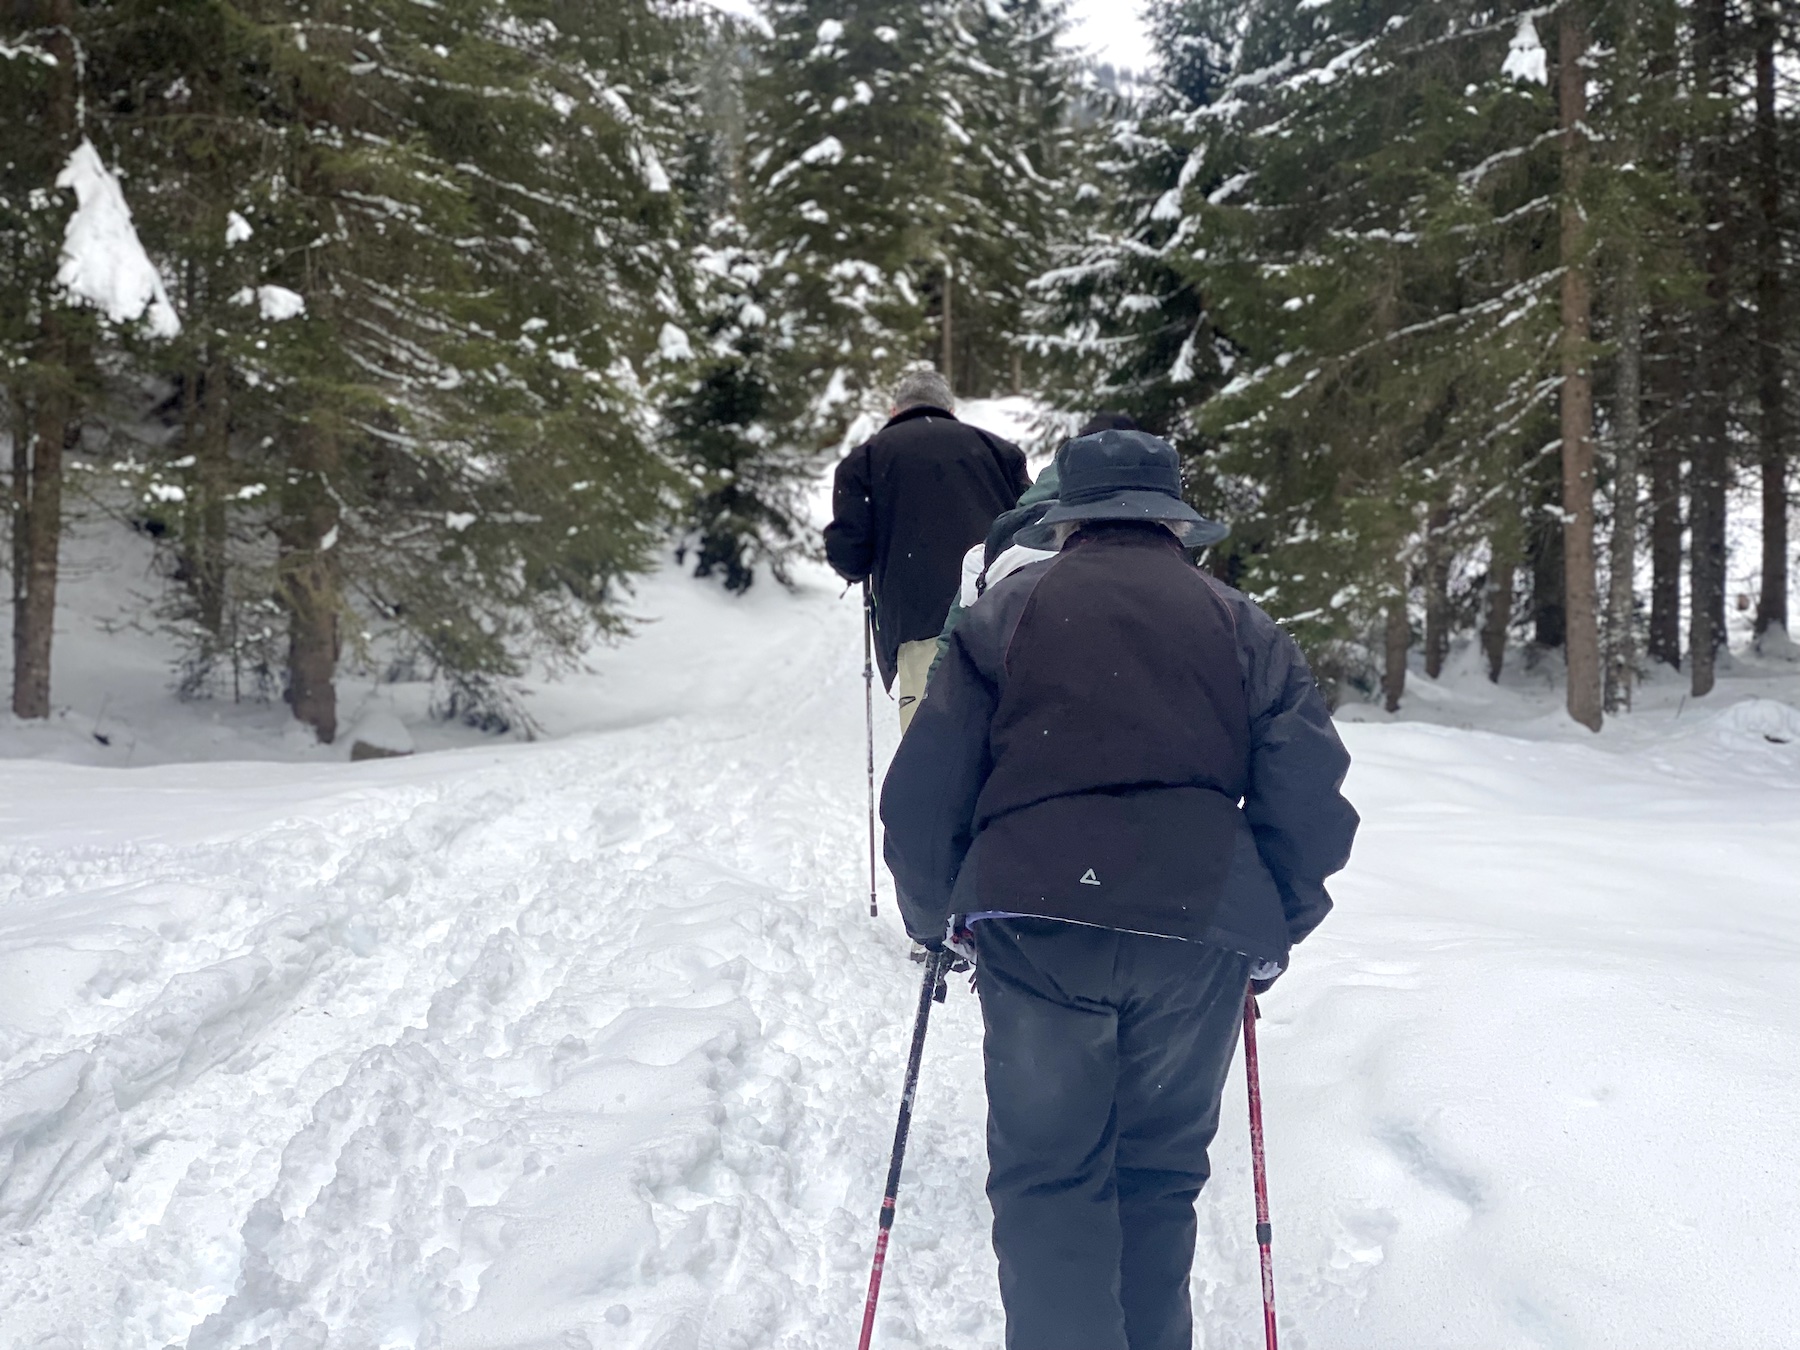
column 1621, row 600
column 24, row 437
column 212, row 475
column 309, row 584
column 1667, row 433
column 1496, row 619
column 37, row 546
column 1018, row 372
column 1549, row 592
column 949, row 327
column 44, row 427
column 1437, row 591
column 1710, row 465
column 1399, row 641
column 1581, row 605
column 1771, row 609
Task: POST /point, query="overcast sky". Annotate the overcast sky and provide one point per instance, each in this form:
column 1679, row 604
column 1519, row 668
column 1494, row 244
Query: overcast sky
column 1111, row 29
column 1114, row 31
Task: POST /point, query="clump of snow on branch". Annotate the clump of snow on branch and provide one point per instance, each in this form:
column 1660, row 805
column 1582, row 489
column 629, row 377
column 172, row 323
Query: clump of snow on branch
column 672, row 344
column 103, row 261
column 275, row 303
column 1525, row 57
column 237, row 229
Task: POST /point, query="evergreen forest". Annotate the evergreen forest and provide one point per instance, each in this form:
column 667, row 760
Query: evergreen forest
column 413, row 333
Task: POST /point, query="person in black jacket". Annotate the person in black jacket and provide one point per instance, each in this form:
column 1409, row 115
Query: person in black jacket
column 1126, row 784
column 906, row 506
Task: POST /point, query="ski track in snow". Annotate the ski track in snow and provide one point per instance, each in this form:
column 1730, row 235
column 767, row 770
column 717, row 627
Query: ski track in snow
column 591, row 1044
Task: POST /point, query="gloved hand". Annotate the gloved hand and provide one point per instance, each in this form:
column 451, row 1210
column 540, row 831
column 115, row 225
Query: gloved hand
column 1263, row 974
column 959, row 942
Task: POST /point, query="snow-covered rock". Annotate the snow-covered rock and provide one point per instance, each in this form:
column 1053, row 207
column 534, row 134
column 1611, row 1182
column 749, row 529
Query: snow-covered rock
column 379, row 734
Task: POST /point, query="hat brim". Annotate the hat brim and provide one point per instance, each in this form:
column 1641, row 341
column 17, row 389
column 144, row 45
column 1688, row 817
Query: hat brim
column 1193, row 529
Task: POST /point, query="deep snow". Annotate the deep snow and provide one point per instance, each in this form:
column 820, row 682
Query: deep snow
column 589, row 1042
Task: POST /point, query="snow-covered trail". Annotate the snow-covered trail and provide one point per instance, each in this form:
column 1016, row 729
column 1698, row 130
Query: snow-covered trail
column 591, row 1043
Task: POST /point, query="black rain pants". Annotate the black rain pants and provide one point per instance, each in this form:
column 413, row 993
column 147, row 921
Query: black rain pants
column 1106, row 1055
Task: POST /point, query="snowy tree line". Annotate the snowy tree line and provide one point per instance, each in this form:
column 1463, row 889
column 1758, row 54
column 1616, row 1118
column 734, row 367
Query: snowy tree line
column 1460, row 310
column 412, row 333
column 463, row 310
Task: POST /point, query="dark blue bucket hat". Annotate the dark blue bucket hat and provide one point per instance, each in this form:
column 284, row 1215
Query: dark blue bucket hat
column 1121, row 475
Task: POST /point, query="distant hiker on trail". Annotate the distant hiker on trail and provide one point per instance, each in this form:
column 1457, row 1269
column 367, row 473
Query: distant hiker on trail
column 906, row 506
column 1127, row 785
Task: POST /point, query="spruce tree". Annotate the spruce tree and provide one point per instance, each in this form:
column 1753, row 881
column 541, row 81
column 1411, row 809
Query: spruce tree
column 1013, row 150
column 1117, row 323
column 846, row 150
column 437, row 308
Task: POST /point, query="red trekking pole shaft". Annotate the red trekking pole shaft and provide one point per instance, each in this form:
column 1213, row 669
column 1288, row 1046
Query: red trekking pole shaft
column 934, row 968
column 1257, row 1167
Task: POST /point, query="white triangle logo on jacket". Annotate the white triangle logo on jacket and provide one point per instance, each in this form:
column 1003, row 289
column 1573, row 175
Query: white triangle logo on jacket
column 1089, row 879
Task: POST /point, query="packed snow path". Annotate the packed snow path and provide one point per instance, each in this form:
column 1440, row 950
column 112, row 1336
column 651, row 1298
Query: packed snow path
column 590, row 1043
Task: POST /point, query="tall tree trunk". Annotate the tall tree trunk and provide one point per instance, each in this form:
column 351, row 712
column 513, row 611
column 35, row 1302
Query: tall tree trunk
column 1672, row 403
column 1711, row 457
column 1437, row 590
column 949, row 327
column 1398, row 641
column 309, row 583
column 1771, row 609
column 1582, row 603
column 1497, row 603
column 1621, row 599
column 1548, row 591
column 1664, row 638
column 212, row 479
column 46, row 426
column 37, row 494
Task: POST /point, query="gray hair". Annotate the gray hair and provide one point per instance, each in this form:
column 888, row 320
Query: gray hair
column 923, row 387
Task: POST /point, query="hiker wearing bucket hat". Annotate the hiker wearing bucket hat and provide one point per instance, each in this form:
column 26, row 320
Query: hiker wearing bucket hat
column 1128, row 476
column 1125, row 781
column 1000, row 554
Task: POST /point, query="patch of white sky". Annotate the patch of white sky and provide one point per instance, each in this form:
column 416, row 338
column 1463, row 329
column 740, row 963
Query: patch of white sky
column 1112, row 31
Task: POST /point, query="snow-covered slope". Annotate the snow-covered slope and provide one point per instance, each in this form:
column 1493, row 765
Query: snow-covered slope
column 590, row 1042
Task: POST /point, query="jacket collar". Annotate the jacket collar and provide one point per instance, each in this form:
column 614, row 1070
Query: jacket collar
column 920, row 410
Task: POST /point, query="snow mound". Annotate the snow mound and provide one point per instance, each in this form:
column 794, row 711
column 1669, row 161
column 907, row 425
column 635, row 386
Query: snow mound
column 1776, row 645
column 1757, row 722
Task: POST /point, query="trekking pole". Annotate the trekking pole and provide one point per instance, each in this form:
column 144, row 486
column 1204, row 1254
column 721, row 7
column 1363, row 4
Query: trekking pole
column 869, row 720
column 1251, row 1013
column 934, row 970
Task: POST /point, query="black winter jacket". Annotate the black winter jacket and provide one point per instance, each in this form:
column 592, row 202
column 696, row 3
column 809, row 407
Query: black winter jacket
column 1117, row 738
column 906, row 506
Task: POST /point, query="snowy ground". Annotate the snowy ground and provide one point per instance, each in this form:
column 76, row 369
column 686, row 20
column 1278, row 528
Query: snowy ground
column 590, row 1043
